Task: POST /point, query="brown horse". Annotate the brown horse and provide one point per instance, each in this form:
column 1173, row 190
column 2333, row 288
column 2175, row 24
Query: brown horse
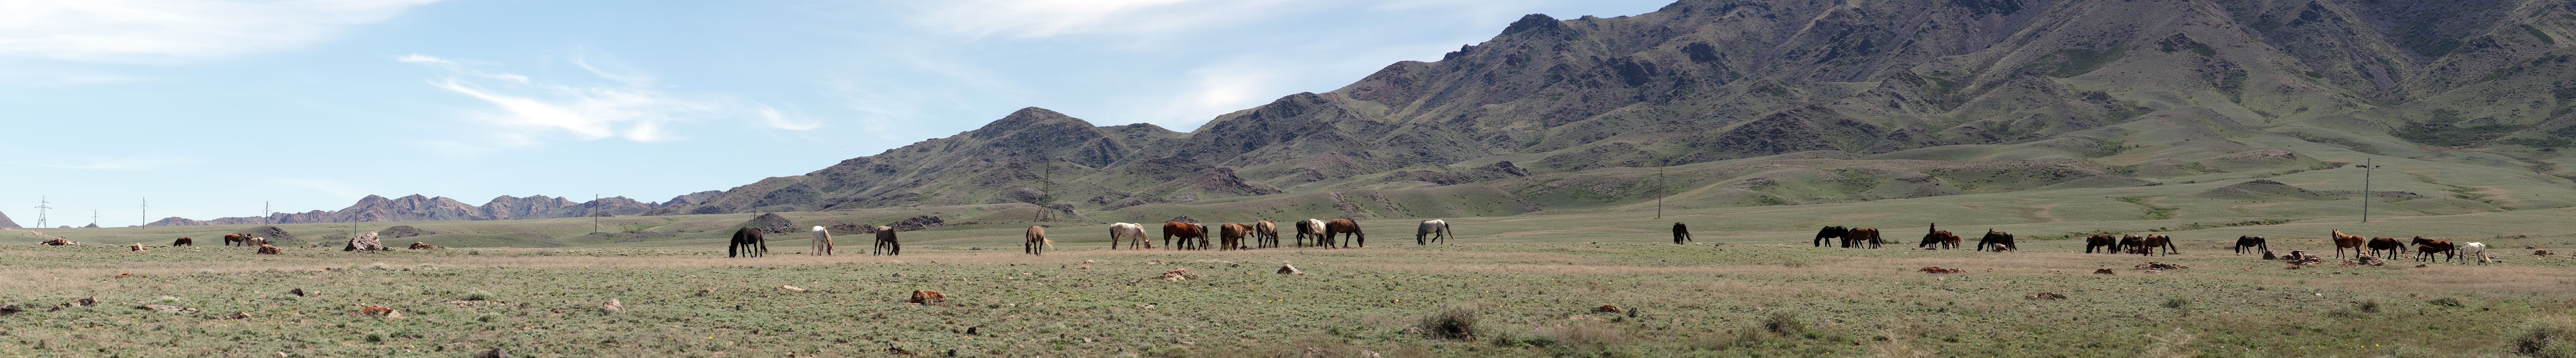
column 184, row 241
column 1345, row 226
column 1185, row 231
column 2425, row 248
column 1681, row 234
column 2132, row 244
column 1938, row 236
column 886, row 243
column 2353, row 242
column 2160, row 245
column 1860, row 237
column 230, row 239
column 1036, row 242
column 2002, row 241
column 1230, row 235
column 1267, row 231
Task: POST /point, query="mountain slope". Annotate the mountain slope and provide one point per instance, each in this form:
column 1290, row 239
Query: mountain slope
column 1766, row 103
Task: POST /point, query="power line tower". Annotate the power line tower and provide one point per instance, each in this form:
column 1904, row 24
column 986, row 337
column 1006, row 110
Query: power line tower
column 1046, row 188
column 41, row 207
column 93, row 217
column 265, row 216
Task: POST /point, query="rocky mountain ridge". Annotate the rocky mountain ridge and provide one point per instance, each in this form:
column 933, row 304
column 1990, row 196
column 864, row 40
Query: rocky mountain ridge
column 416, row 207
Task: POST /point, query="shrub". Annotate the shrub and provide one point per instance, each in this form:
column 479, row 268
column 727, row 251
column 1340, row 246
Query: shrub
column 2447, row 302
column 1783, row 324
column 2177, row 302
column 1455, row 322
column 2545, row 339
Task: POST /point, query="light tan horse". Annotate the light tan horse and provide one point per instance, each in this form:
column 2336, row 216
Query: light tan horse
column 1037, row 241
column 822, row 242
column 1128, row 231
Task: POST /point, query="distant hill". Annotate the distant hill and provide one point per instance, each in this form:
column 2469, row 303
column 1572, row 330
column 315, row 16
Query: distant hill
column 5, row 222
column 422, row 208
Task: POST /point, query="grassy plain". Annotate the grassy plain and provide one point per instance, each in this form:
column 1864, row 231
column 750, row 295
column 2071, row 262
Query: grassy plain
column 1512, row 286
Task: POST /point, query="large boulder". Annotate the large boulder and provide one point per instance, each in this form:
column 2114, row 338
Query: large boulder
column 366, row 242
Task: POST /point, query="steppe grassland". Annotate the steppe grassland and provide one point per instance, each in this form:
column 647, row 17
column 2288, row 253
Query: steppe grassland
column 1529, row 283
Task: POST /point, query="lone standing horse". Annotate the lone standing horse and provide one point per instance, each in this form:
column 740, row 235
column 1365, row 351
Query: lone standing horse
column 1037, row 242
column 1681, row 233
column 886, row 244
column 746, row 243
column 1435, row 230
column 822, row 242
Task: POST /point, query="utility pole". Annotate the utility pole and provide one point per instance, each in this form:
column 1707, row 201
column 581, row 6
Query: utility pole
column 264, row 214
column 1659, row 193
column 147, row 213
column 41, row 207
column 2365, row 190
column 594, row 212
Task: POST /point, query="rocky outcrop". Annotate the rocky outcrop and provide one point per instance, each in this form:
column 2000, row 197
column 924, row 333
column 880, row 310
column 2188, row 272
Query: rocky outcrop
column 172, row 221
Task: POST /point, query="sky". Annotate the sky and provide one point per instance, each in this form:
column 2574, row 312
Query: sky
column 214, row 108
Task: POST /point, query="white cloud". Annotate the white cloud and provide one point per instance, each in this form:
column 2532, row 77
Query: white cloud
column 120, row 163
column 1041, row 18
column 166, row 30
column 628, row 105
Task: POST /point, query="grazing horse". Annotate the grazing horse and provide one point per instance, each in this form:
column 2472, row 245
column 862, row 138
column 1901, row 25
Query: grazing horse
column 1436, row 230
column 747, row 242
column 1826, row 235
column 2161, row 245
column 1681, row 234
column 1127, row 231
column 2256, row 242
column 1867, row 236
column 1345, row 226
column 2425, row 248
column 886, row 243
column 1938, row 236
column 822, row 242
column 230, row 239
column 2131, row 244
column 1229, row 236
column 184, row 241
column 2475, row 248
column 2389, row 244
column 2109, row 244
column 1184, row 230
column 1310, row 228
column 2002, row 240
column 1267, row 232
column 1037, row 241
column 2342, row 241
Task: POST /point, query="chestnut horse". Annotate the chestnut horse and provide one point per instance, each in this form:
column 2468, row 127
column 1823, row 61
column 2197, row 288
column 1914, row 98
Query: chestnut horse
column 1345, row 226
column 1938, row 236
column 2160, row 245
column 230, row 239
column 2425, row 248
column 1185, row 231
column 1230, row 236
column 2342, row 241
column 1867, row 236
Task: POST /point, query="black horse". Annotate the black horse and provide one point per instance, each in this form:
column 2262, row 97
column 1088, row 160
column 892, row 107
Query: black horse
column 746, row 242
column 1830, row 232
column 2256, row 242
column 2107, row 243
column 1681, row 233
column 2002, row 241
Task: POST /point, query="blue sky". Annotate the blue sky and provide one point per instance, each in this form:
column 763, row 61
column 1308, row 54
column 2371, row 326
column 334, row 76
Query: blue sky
column 209, row 108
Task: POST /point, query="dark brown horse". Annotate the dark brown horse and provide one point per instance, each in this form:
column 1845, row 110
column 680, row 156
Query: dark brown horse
column 886, row 243
column 2256, row 242
column 746, row 242
column 1185, row 231
column 1825, row 235
column 2132, row 244
column 1681, row 234
column 2388, row 244
column 2425, row 248
column 1944, row 238
column 2002, row 241
column 1345, row 226
column 184, row 241
column 2106, row 242
column 1230, row 236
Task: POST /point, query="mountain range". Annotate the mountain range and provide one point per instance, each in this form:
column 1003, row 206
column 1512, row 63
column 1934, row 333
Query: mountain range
column 1735, row 103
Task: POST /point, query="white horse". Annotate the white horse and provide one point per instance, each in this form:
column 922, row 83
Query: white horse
column 822, row 241
column 2475, row 248
column 1128, row 231
column 1435, row 230
column 1310, row 228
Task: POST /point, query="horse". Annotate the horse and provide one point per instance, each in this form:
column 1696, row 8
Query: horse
column 184, row 241
column 1127, row 231
column 230, row 239
column 1037, row 241
column 2161, row 245
column 2130, row 243
column 2476, row 248
column 2425, row 248
column 1267, row 233
column 886, row 243
column 2389, row 244
column 1184, row 230
column 1345, row 226
column 2002, row 240
column 2342, row 241
column 1230, row 236
column 2256, row 242
column 2109, row 244
column 1938, row 236
column 822, row 242
column 1867, row 236
column 1310, row 228
column 746, row 242
column 1822, row 236
column 1436, row 230
column 1681, row 234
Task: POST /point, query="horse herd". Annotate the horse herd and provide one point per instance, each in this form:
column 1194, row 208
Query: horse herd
column 748, row 242
column 2153, row 244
